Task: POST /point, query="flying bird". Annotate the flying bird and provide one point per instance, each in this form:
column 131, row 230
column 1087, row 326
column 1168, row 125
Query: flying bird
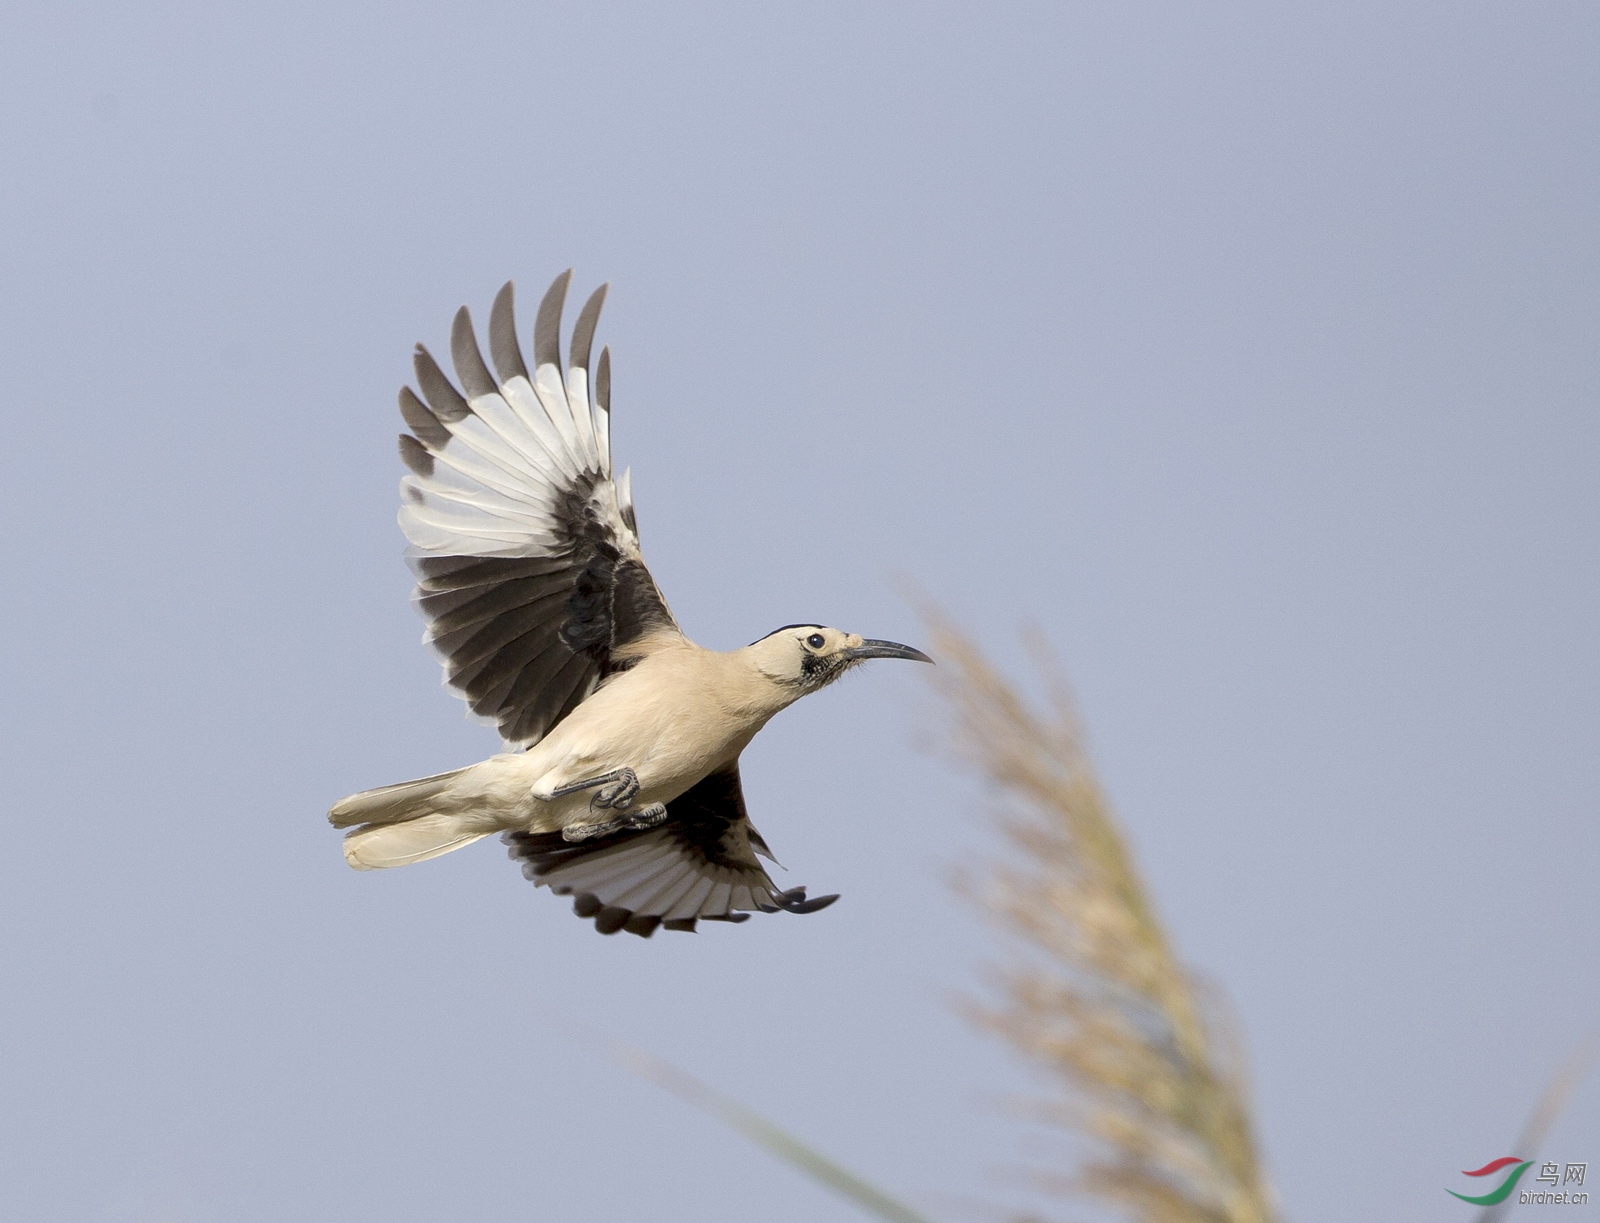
column 619, row 784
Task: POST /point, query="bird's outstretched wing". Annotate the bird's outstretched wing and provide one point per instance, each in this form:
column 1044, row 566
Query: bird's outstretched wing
column 525, row 548
column 700, row 864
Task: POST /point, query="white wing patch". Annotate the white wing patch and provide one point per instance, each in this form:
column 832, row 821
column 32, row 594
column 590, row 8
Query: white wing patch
column 656, row 879
column 700, row 865
column 527, row 549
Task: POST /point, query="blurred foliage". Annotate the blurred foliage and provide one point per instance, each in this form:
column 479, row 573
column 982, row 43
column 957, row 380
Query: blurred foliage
column 1094, row 996
column 764, row 1133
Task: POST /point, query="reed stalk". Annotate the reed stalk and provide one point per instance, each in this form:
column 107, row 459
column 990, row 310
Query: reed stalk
column 1092, row 993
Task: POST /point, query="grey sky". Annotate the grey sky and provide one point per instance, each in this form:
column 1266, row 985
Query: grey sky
column 1249, row 349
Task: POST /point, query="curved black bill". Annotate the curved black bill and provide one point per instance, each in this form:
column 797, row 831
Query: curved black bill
column 887, row 649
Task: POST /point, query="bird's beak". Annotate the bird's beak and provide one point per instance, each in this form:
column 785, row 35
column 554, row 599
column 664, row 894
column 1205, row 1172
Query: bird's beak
column 885, row 649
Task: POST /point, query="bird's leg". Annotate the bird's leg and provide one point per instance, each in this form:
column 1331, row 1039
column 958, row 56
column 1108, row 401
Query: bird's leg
column 617, row 788
column 650, row 817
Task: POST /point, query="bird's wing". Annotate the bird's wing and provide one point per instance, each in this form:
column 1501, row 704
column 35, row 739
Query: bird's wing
column 525, row 548
column 701, row 863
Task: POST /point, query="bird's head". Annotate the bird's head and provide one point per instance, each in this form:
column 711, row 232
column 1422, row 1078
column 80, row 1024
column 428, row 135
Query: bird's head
column 805, row 657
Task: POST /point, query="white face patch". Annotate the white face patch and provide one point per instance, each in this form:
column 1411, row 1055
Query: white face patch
column 805, row 657
column 826, row 642
column 823, row 654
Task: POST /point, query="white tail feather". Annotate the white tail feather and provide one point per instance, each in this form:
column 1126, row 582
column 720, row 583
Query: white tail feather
column 384, row 845
column 390, row 804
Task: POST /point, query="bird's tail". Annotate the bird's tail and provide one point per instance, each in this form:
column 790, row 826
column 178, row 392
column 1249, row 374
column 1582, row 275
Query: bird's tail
column 394, row 804
column 383, row 845
column 400, row 825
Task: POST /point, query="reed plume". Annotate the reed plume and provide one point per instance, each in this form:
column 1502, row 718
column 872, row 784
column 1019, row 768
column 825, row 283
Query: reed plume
column 1093, row 994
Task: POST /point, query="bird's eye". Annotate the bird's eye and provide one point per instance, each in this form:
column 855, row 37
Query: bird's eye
column 815, row 641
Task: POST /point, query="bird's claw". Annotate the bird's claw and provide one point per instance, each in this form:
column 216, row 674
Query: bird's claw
column 619, row 793
column 650, row 817
column 637, row 821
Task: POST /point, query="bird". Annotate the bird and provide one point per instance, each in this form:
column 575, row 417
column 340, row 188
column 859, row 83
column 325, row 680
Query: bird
column 619, row 780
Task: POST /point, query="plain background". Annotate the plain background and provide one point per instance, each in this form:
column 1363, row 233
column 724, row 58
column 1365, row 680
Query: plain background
column 1249, row 349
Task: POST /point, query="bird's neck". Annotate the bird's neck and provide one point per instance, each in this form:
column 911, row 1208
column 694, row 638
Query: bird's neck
column 751, row 692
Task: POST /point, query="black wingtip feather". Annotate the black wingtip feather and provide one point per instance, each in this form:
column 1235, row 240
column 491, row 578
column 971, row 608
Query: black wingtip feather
column 794, row 901
column 583, row 329
column 814, row 904
column 602, row 382
column 421, row 421
column 415, row 456
column 447, row 403
column 470, row 368
column 547, row 325
column 504, row 350
column 644, row 925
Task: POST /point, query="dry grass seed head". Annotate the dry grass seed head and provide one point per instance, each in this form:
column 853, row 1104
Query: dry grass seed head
column 1096, row 996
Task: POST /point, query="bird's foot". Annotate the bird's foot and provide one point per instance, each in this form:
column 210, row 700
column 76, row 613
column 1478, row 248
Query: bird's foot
column 650, row 817
column 619, row 793
column 617, row 789
column 794, row 901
